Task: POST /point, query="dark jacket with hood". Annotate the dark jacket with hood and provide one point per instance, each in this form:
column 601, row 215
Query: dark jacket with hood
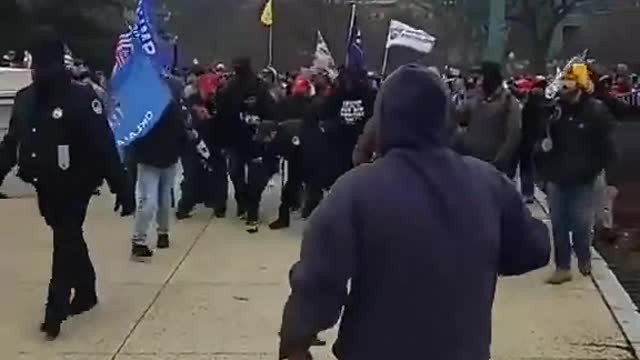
column 243, row 103
column 422, row 233
column 164, row 144
column 582, row 143
column 293, row 107
column 345, row 113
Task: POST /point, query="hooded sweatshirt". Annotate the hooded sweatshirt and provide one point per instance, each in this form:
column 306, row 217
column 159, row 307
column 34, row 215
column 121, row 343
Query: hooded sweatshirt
column 422, row 234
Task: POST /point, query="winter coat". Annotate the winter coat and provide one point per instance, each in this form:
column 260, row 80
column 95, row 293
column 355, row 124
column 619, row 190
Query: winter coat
column 421, row 234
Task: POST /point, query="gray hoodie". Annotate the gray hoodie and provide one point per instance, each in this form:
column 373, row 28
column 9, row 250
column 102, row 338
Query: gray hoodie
column 422, row 234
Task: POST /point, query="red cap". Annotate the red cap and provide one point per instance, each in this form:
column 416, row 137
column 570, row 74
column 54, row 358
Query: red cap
column 301, row 86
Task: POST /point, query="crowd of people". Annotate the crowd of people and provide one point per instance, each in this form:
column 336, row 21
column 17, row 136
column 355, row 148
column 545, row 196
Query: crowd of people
column 11, row 60
column 398, row 177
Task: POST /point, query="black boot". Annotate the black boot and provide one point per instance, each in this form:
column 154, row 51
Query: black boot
column 220, row 212
column 283, row 221
column 81, row 304
column 163, row 241
column 181, row 215
column 51, row 329
column 241, row 212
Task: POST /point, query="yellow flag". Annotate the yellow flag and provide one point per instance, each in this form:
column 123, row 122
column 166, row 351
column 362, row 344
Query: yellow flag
column 267, row 14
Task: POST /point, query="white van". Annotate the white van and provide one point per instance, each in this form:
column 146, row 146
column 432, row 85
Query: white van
column 12, row 80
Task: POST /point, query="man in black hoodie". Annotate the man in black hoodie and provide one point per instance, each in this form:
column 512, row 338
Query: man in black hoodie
column 534, row 113
column 156, row 156
column 421, row 234
column 242, row 105
column 346, row 111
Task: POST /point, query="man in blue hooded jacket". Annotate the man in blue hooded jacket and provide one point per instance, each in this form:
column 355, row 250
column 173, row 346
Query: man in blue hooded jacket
column 422, row 234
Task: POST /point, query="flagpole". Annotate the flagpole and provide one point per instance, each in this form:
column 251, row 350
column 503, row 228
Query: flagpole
column 385, row 60
column 352, row 21
column 271, row 45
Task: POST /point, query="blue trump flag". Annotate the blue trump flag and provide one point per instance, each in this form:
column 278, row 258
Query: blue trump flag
column 137, row 98
column 159, row 49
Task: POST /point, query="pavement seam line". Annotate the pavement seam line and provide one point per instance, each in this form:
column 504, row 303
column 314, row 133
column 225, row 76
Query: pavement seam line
column 162, row 288
column 615, row 297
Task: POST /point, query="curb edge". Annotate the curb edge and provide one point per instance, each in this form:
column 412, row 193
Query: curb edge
column 623, row 310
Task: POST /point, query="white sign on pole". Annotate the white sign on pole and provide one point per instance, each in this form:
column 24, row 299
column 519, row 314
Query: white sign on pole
column 401, row 34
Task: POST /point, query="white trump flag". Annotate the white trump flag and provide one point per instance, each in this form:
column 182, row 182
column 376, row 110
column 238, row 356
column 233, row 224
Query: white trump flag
column 401, row 34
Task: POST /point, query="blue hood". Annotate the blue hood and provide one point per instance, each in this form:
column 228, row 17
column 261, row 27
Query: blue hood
column 412, row 110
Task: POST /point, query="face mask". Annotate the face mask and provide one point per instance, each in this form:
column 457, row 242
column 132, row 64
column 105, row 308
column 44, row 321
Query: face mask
column 48, row 76
column 489, row 86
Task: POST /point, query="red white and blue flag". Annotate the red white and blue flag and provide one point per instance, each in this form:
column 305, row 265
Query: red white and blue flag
column 124, row 48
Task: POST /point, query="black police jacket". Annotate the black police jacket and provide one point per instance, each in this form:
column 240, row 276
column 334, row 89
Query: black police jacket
column 63, row 142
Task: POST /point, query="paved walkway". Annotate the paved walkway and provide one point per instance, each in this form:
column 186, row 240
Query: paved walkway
column 218, row 294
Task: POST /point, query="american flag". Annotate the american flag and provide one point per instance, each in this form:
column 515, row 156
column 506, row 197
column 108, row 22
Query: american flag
column 124, row 48
column 68, row 58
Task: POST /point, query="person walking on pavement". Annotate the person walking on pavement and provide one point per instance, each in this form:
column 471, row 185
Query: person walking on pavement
column 422, row 249
column 535, row 110
column 62, row 143
column 242, row 105
column 577, row 147
column 156, row 156
column 490, row 122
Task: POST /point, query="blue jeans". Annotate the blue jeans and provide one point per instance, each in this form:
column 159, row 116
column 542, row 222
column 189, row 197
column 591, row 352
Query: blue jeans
column 154, row 190
column 572, row 212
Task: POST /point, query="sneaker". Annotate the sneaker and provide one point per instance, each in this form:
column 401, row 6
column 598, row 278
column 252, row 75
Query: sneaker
column 559, row 277
column 163, row 241
column 529, row 199
column 51, row 329
column 141, row 253
column 181, row 215
column 252, row 227
column 585, row 268
column 279, row 224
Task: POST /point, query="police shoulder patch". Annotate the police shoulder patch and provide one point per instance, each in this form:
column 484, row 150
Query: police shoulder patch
column 96, row 105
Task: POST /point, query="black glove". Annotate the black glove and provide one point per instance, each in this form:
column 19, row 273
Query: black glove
column 125, row 202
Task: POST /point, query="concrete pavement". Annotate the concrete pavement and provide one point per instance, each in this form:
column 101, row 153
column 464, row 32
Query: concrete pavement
column 218, row 294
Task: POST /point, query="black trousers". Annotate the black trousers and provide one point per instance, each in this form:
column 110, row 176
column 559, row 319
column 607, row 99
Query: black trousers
column 200, row 185
column 291, row 191
column 71, row 268
column 250, row 177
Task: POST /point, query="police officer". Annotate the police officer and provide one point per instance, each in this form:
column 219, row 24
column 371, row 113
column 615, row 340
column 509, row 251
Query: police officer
column 61, row 141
